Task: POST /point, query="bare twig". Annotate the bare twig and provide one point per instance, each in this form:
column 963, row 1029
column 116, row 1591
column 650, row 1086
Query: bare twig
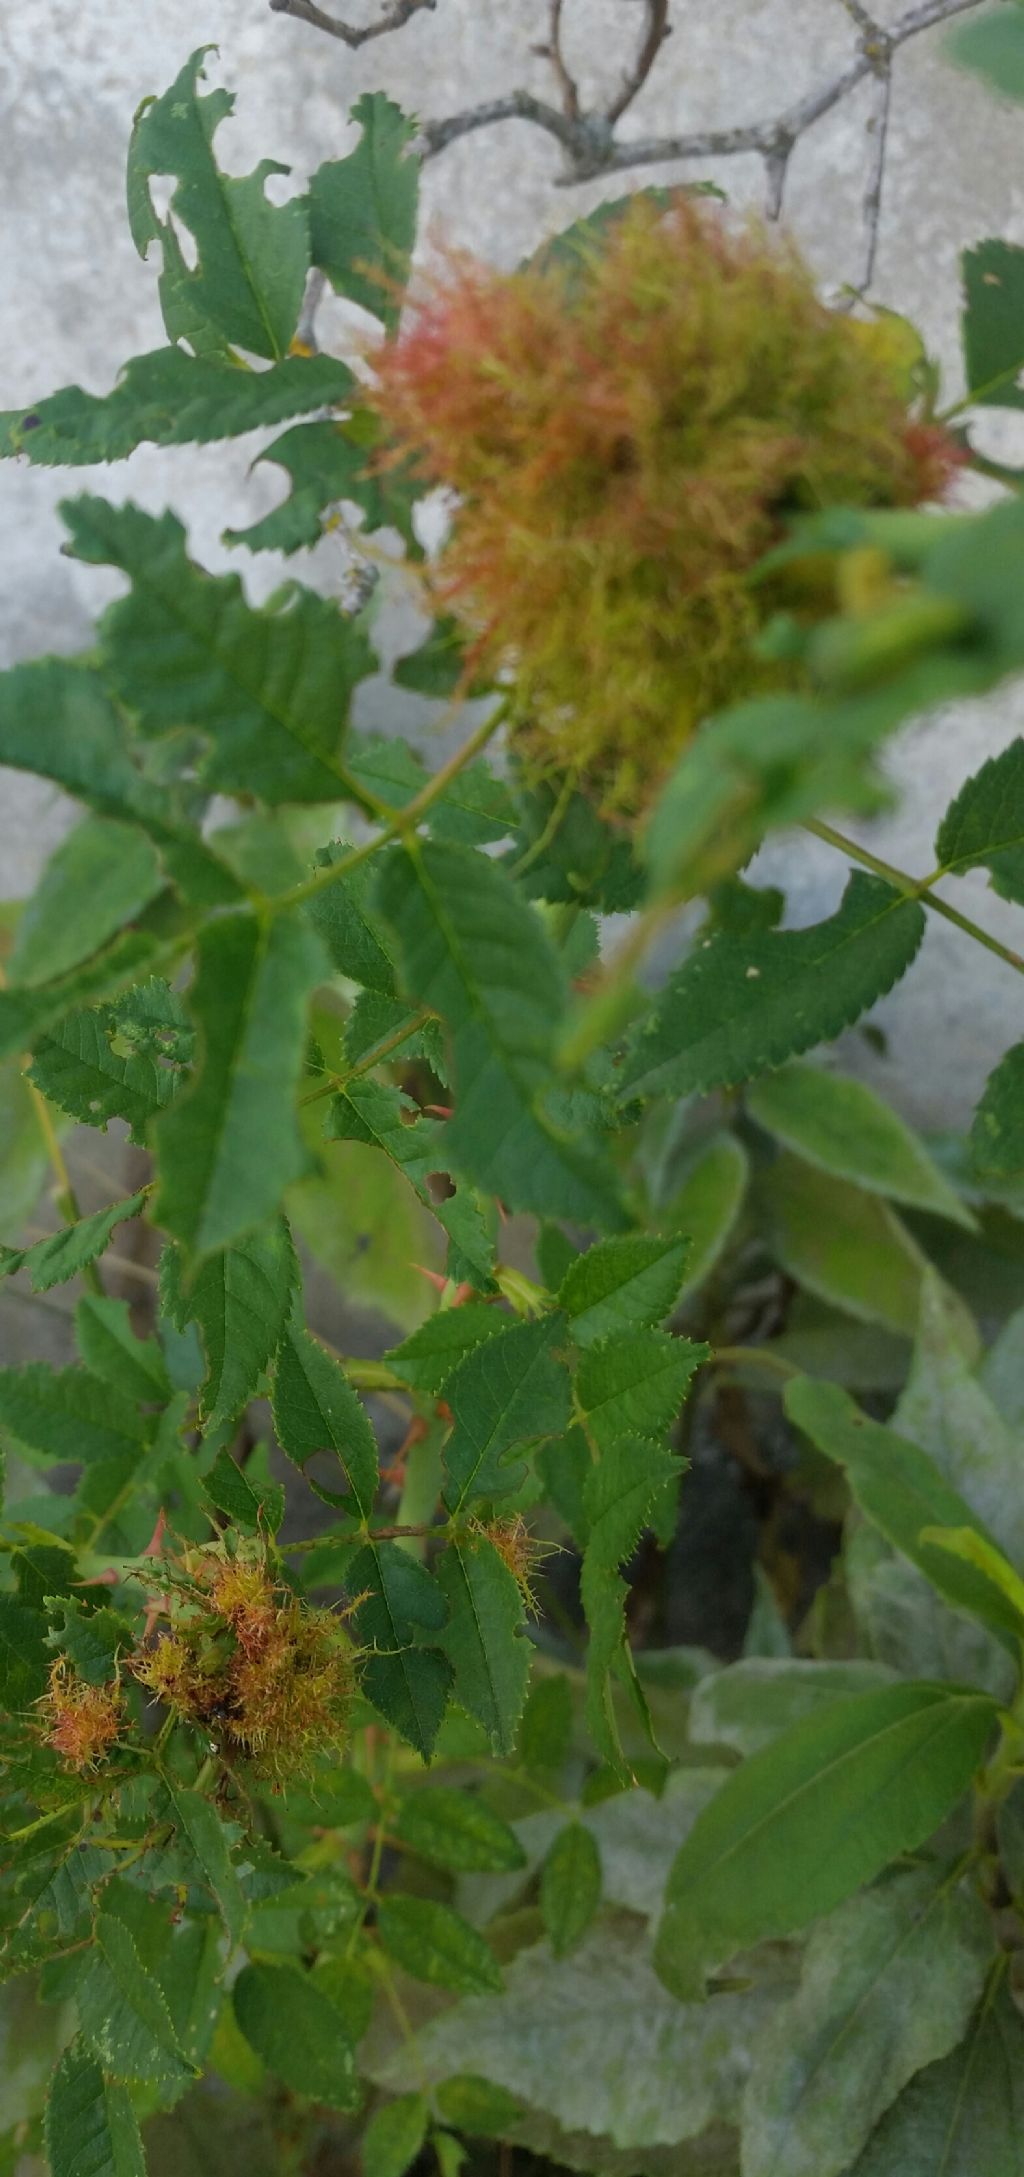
column 879, row 142
column 655, row 33
column 858, row 13
column 589, row 140
column 394, row 18
column 553, row 52
column 435, row 136
column 589, row 156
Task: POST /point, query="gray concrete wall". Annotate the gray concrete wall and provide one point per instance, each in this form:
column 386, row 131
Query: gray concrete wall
column 75, row 301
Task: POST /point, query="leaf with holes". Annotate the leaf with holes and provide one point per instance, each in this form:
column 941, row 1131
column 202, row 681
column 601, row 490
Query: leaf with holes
column 249, row 279
column 362, row 210
column 326, row 464
column 77, row 1068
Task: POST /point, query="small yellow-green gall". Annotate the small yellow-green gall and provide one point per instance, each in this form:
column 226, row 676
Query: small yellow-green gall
column 627, row 428
column 82, row 1721
column 250, row 1663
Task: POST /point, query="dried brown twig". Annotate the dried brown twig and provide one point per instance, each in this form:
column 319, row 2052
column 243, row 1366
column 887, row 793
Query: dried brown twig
column 589, row 139
column 394, row 18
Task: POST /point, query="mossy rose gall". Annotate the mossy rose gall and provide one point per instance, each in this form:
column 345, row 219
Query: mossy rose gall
column 627, row 427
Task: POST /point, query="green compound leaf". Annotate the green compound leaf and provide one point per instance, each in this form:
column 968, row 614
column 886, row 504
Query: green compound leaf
column 900, row 1490
column 326, row 464
column 815, row 1815
column 993, row 324
column 997, row 1130
column 316, row 1409
column 253, row 256
column 123, row 2012
column 458, row 1830
column 109, row 1348
column 252, row 1504
column 394, row 2135
column 435, row 1350
column 77, row 1068
column 206, row 1837
column 478, row 2106
column 634, row 1385
column 91, row 2127
column 53, row 1261
column 67, row 1414
column 474, row 952
column 102, row 875
column 842, row 1127
column 241, row 1299
column 483, row 1638
column 622, row 1284
column 24, row 1663
column 620, row 1496
column 91, row 1639
column 509, row 1391
column 888, row 1985
column 545, row 1734
column 983, row 828
column 570, row 1886
column 965, row 2114
column 57, row 720
column 741, row 1004
column 297, row 2032
column 170, row 398
column 436, row 1945
column 28, row 1012
column 54, row 1907
column 268, row 687
column 375, row 1112
column 362, row 210
column 353, row 934
column 400, row 1602
column 231, row 1144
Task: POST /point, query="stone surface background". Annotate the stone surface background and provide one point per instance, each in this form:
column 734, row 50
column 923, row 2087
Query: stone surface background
column 75, row 301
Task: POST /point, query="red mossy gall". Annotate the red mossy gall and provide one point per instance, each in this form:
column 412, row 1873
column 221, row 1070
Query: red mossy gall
column 627, row 426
